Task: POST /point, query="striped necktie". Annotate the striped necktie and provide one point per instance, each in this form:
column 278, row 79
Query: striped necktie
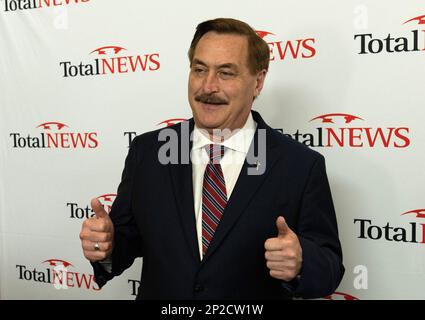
column 214, row 195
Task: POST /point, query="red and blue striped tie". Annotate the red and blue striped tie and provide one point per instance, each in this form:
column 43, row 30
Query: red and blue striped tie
column 214, row 195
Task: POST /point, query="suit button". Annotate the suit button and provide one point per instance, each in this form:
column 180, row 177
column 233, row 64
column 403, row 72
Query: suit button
column 198, row 288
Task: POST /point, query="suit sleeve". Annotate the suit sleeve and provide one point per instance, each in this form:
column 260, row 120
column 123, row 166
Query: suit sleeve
column 127, row 240
column 322, row 268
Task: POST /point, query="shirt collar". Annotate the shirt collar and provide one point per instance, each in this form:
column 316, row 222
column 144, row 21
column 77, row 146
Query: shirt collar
column 240, row 141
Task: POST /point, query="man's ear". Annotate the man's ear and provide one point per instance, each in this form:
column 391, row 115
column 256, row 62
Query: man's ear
column 261, row 77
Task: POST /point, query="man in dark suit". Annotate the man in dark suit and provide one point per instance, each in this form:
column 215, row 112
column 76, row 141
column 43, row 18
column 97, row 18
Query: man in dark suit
column 221, row 206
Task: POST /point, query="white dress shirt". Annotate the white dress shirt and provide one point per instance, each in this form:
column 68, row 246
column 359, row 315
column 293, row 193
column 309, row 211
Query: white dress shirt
column 237, row 147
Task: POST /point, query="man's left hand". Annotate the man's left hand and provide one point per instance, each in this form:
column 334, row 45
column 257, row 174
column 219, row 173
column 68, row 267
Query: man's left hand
column 283, row 253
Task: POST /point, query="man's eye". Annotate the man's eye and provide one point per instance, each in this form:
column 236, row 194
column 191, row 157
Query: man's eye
column 199, row 70
column 226, row 74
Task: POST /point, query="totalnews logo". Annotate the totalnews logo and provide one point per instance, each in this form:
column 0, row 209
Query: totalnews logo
column 413, row 41
column 78, row 211
column 109, row 60
column 14, row 5
column 414, row 232
column 55, row 135
column 56, row 272
column 303, row 48
column 352, row 131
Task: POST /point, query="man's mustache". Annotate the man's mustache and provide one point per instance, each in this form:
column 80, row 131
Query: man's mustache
column 210, row 99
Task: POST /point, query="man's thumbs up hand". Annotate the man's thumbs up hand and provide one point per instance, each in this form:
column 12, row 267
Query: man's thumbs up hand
column 283, row 253
column 97, row 234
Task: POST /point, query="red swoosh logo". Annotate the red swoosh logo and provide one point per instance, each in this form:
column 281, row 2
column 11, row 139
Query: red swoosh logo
column 263, row 34
column 420, row 19
column 55, row 262
column 102, row 50
column 339, row 295
column 107, row 197
column 420, row 213
column 329, row 118
column 48, row 125
column 171, row 122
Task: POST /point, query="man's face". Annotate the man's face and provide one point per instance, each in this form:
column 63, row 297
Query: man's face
column 221, row 87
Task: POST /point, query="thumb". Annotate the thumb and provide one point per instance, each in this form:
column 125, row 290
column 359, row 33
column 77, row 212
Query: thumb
column 98, row 209
column 282, row 227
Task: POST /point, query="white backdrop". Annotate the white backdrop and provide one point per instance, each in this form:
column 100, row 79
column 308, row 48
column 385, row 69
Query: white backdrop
column 358, row 65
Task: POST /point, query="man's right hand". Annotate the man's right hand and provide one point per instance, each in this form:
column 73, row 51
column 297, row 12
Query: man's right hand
column 97, row 234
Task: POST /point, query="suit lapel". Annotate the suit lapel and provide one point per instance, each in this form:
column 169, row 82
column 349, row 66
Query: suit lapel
column 181, row 177
column 246, row 186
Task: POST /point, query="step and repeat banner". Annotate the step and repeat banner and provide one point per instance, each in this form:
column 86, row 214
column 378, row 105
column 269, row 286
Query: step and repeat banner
column 80, row 79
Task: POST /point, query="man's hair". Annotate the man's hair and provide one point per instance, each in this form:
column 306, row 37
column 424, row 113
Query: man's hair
column 258, row 49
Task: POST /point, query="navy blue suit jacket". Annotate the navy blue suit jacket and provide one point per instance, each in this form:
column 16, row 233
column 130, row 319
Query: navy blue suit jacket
column 154, row 218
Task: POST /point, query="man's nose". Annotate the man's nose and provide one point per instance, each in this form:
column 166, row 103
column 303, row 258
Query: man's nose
column 211, row 84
